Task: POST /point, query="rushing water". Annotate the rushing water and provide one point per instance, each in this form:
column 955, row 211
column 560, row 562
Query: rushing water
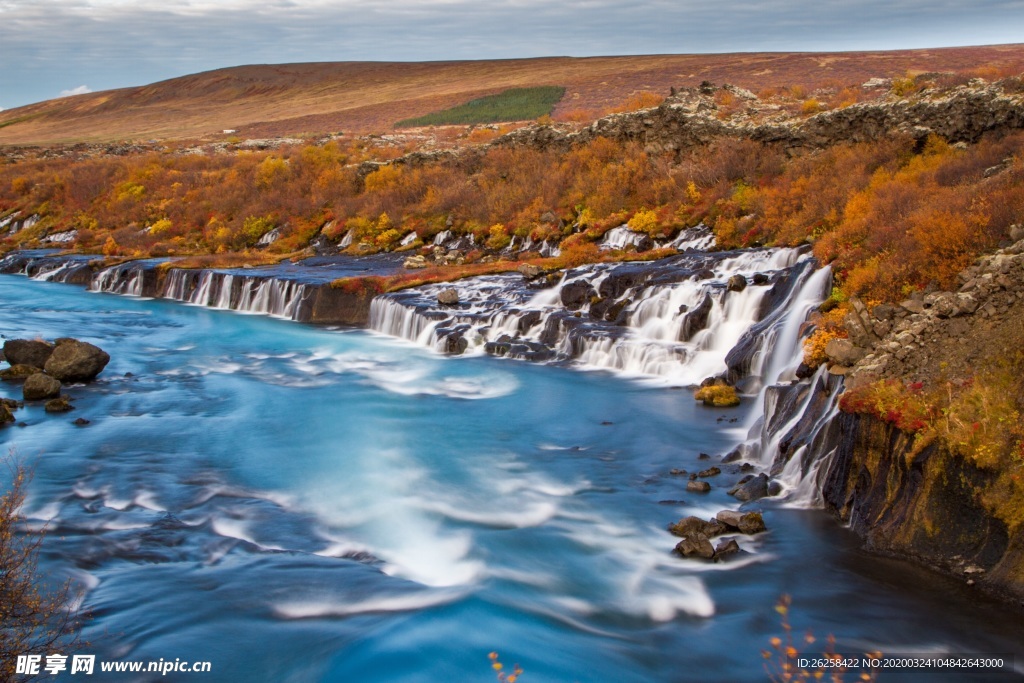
column 300, row 504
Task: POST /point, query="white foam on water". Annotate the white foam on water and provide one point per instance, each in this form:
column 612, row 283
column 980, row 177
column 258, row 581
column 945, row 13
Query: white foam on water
column 419, row 600
column 239, row 530
column 526, row 515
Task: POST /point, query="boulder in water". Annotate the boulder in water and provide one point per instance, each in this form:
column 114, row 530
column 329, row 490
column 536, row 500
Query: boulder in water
column 6, row 416
column 696, row 545
column 751, row 488
column 698, row 486
column 76, row 361
column 745, row 522
column 448, row 297
column 691, row 526
column 27, row 352
column 40, row 386
column 726, row 549
column 737, row 283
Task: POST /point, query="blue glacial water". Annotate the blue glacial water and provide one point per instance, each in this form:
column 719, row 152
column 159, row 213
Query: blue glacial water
column 301, row 504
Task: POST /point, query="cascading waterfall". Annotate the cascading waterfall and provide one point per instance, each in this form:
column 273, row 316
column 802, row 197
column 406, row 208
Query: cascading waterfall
column 675, row 319
column 238, row 292
column 126, row 278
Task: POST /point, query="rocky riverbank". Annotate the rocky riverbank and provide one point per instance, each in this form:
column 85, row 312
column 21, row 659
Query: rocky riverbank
column 926, row 460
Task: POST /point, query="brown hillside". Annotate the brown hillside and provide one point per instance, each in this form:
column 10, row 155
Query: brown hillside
column 366, row 97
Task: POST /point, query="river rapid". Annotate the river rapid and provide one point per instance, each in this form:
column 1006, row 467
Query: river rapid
column 298, row 503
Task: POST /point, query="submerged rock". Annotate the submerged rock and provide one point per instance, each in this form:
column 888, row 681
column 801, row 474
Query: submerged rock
column 40, row 386
column 76, row 361
column 16, row 372
column 59, row 405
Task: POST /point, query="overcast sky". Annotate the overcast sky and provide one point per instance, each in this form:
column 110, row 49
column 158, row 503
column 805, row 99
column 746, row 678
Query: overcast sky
column 50, row 48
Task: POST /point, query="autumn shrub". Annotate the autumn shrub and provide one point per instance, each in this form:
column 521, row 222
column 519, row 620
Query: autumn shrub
column 717, row 395
column 902, row 405
column 33, row 619
column 645, row 221
column 783, row 661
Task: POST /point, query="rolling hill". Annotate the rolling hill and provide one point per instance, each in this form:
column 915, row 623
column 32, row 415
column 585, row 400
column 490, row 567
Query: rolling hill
column 368, row 97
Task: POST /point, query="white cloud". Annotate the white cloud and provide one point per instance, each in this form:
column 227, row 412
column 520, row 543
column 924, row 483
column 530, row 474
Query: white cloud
column 80, row 90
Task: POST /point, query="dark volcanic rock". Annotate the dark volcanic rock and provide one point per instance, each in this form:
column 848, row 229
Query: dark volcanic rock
column 696, row 319
column 40, row 386
column 577, row 293
column 27, row 352
column 751, row 489
column 76, row 361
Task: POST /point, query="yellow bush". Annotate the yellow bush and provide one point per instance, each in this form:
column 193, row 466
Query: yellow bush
column 811, row 106
column 387, row 238
column 160, row 227
column 645, row 220
column 719, row 396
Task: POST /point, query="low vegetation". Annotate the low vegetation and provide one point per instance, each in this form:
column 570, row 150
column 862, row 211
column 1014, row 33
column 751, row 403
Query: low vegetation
column 34, row 618
column 515, row 104
column 976, row 417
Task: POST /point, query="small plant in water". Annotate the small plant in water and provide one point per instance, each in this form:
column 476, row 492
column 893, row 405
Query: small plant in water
column 785, row 663
column 496, row 664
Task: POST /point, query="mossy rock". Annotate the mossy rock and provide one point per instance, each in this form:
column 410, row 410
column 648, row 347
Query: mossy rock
column 16, row 372
column 718, row 396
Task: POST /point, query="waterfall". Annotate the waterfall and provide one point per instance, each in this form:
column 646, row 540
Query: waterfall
column 676, row 319
column 126, row 278
column 238, row 292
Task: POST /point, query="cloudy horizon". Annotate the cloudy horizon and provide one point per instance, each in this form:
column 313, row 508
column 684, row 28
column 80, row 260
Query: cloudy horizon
column 58, row 48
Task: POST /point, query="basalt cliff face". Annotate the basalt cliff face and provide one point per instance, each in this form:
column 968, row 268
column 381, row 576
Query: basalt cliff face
column 925, row 504
column 925, row 495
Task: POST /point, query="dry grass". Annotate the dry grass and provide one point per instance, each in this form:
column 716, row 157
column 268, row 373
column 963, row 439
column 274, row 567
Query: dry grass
column 362, row 97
